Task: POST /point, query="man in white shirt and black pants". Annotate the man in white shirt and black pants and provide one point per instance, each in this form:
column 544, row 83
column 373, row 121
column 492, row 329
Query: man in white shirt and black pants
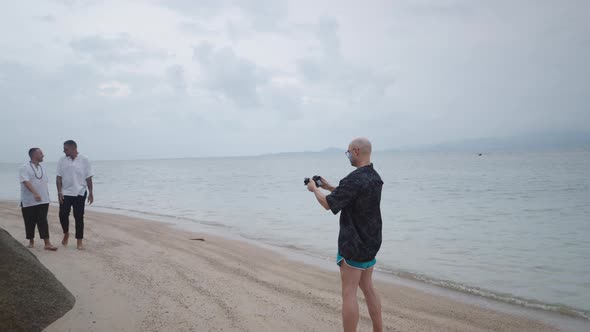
column 35, row 198
column 74, row 184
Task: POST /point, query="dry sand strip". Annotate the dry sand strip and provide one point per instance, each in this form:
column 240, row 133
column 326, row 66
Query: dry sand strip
column 138, row 275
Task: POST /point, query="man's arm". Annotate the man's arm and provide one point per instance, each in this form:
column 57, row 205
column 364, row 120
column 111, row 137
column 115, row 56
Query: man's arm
column 341, row 196
column 327, row 186
column 90, row 194
column 29, row 186
column 59, row 185
column 26, row 181
column 319, row 195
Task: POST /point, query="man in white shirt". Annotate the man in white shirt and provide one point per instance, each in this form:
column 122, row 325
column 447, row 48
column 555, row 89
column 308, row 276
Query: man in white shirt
column 74, row 183
column 34, row 200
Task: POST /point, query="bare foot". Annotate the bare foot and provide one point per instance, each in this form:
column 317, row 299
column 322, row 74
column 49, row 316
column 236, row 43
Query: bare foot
column 31, row 245
column 50, row 248
column 66, row 238
column 80, row 246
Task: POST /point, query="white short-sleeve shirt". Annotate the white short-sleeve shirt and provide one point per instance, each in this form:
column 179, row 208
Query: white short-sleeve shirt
column 74, row 173
column 37, row 176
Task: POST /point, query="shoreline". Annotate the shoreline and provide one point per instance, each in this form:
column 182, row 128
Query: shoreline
column 277, row 276
column 469, row 294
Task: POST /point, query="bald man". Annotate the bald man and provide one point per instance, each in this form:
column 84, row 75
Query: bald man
column 358, row 199
column 35, row 198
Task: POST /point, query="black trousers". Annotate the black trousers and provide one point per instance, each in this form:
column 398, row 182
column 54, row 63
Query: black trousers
column 78, row 203
column 36, row 216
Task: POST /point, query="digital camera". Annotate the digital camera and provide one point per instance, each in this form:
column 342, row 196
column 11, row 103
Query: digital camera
column 317, row 179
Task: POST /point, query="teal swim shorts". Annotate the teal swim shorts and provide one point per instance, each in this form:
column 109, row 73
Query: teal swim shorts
column 355, row 264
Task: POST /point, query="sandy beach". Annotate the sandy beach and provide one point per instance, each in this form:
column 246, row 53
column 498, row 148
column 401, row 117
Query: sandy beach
column 139, row 275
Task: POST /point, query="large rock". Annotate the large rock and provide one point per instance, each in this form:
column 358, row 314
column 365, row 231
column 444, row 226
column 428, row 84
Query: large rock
column 31, row 297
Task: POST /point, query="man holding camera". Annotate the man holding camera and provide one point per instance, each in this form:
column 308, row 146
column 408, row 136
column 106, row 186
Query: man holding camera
column 358, row 199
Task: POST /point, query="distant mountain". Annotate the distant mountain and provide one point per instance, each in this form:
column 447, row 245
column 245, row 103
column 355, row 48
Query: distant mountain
column 324, row 151
column 332, row 150
column 546, row 141
column 543, row 141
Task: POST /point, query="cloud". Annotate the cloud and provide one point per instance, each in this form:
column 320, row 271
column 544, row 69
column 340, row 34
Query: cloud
column 76, row 3
column 199, row 29
column 265, row 15
column 234, row 77
column 309, row 74
column 456, row 8
column 177, row 81
column 327, row 33
column 46, row 18
column 202, row 8
column 332, row 71
column 120, row 48
column 83, row 102
column 114, row 89
column 284, row 97
column 262, row 14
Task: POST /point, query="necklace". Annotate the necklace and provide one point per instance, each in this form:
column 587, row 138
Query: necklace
column 35, row 171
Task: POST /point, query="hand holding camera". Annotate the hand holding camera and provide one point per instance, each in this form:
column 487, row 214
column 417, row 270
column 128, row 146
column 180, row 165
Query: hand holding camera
column 318, row 182
column 317, row 179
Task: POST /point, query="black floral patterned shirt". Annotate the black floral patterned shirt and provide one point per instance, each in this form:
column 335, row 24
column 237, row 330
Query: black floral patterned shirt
column 358, row 198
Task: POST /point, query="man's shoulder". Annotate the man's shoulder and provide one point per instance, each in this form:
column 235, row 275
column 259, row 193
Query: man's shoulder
column 371, row 173
column 375, row 175
column 61, row 162
column 83, row 157
column 24, row 166
column 354, row 178
column 361, row 172
column 352, row 175
column 365, row 174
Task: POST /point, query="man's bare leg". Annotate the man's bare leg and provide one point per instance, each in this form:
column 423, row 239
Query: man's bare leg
column 373, row 301
column 49, row 246
column 80, row 246
column 31, row 243
column 66, row 238
column 350, row 308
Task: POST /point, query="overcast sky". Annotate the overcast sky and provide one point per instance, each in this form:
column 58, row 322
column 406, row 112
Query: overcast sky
column 184, row 78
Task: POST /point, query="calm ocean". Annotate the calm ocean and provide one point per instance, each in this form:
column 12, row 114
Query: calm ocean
column 514, row 227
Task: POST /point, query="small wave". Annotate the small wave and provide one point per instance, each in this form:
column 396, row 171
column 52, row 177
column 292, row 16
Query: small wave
column 506, row 298
column 127, row 211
